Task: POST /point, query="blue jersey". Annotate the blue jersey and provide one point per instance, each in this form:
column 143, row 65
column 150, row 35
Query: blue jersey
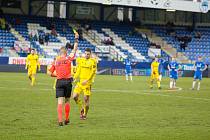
column 199, row 66
column 174, row 66
column 161, row 62
column 127, row 66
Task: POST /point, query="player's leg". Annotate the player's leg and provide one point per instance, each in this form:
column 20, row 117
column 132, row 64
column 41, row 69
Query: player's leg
column 199, row 82
column 59, row 110
column 33, row 76
column 171, row 80
column 131, row 76
column 67, row 107
column 67, row 110
column 174, row 83
column 126, row 75
column 193, row 84
column 151, row 81
column 78, row 101
column 171, row 83
column 60, row 96
column 160, row 77
column 29, row 73
column 87, row 93
column 86, row 106
column 158, row 81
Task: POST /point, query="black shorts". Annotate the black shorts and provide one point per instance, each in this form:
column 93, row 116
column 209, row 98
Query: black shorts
column 63, row 88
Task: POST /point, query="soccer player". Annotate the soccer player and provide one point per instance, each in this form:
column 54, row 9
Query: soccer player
column 85, row 73
column 173, row 68
column 161, row 68
column 199, row 67
column 155, row 73
column 32, row 63
column 62, row 67
column 128, row 69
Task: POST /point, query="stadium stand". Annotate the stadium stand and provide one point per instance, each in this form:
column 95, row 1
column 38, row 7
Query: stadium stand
column 198, row 46
column 38, row 27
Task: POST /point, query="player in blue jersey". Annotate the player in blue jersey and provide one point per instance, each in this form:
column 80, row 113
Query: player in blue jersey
column 199, row 67
column 173, row 68
column 128, row 69
column 161, row 67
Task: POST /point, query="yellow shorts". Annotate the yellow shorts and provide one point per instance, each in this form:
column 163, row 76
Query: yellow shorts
column 155, row 76
column 85, row 89
column 32, row 70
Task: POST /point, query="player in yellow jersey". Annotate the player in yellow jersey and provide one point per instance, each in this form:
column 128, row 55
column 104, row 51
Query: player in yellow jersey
column 32, row 63
column 85, row 72
column 155, row 73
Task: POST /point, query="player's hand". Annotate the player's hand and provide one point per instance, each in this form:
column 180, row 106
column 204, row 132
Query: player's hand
column 26, row 68
column 39, row 69
column 84, row 82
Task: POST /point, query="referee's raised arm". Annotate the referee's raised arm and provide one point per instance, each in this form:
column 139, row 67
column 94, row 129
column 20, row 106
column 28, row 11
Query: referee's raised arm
column 76, row 42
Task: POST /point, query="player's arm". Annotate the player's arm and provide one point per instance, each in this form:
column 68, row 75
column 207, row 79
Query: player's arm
column 77, row 73
column 51, row 70
column 151, row 69
column 205, row 67
column 93, row 71
column 27, row 62
column 194, row 67
column 179, row 67
column 38, row 64
column 169, row 68
column 76, row 43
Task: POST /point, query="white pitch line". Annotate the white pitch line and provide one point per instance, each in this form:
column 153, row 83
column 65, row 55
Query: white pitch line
column 154, row 94
column 137, row 92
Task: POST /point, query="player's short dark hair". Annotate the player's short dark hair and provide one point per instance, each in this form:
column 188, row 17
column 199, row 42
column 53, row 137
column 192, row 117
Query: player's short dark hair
column 32, row 49
column 88, row 50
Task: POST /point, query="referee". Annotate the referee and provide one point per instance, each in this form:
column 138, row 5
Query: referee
column 61, row 69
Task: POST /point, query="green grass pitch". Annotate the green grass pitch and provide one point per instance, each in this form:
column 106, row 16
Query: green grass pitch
column 119, row 110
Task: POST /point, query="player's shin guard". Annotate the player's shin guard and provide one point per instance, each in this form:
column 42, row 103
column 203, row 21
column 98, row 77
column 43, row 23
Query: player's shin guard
column 67, row 110
column 174, row 84
column 126, row 77
column 171, row 84
column 158, row 83
column 193, row 85
column 86, row 109
column 160, row 77
column 131, row 77
column 59, row 110
column 32, row 80
column 199, row 84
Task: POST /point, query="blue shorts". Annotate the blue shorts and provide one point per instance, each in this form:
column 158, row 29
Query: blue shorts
column 174, row 75
column 198, row 76
column 128, row 71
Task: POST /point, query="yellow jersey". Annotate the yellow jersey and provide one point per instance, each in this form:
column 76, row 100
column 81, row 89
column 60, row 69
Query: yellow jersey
column 32, row 60
column 86, row 69
column 155, row 67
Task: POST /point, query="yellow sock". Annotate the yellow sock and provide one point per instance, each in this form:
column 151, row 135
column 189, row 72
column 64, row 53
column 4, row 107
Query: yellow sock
column 158, row 83
column 32, row 80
